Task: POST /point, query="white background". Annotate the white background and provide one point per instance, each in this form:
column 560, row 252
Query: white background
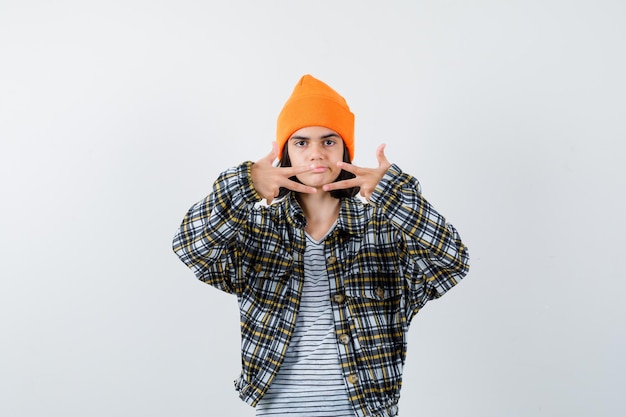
column 116, row 116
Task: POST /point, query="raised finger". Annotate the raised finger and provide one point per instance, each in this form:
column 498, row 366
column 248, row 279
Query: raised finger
column 380, row 156
column 274, row 153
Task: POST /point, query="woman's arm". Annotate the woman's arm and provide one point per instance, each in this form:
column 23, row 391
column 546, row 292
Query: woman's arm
column 435, row 246
column 206, row 239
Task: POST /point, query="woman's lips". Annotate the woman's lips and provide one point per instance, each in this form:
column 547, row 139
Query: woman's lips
column 317, row 168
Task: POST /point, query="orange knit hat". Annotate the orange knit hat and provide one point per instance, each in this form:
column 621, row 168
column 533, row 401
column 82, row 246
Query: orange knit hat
column 314, row 103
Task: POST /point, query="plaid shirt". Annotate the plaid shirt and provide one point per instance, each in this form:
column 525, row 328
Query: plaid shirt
column 385, row 260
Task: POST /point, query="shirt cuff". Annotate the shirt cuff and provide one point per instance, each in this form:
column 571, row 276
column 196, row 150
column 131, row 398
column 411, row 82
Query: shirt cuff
column 249, row 193
column 386, row 185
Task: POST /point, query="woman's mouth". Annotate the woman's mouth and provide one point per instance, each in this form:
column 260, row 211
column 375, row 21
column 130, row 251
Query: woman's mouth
column 317, row 168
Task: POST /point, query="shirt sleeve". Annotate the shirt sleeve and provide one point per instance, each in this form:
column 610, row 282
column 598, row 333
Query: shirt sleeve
column 206, row 239
column 440, row 258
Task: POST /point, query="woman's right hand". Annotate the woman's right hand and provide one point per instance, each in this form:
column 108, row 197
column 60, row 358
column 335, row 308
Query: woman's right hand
column 268, row 179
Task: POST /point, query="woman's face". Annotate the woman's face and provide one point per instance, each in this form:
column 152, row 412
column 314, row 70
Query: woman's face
column 320, row 149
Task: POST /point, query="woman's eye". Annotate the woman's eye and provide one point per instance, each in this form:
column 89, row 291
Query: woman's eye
column 300, row 143
column 329, row 142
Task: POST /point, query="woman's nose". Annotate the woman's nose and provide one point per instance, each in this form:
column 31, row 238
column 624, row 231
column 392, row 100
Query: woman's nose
column 316, row 151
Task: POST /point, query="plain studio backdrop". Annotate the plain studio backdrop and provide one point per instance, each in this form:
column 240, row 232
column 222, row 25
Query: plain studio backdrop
column 116, row 116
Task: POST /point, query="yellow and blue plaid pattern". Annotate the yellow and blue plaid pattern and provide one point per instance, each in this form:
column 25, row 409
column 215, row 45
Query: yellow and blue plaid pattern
column 385, row 260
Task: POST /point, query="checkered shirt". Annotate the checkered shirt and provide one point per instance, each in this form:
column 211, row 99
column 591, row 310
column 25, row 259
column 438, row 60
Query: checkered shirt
column 385, row 260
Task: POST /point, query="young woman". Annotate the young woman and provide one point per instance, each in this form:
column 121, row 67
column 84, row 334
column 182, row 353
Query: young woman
column 327, row 283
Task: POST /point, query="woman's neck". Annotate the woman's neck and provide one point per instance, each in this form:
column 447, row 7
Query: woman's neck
column 321, row 211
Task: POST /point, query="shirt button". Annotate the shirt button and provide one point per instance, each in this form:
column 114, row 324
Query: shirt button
column 331, row 260
column 353, row 378
column 380, row 292
column 344, row 339
column 339, row 298
column 258, row 267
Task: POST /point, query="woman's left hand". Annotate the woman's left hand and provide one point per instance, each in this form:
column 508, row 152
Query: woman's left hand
column 365, row 178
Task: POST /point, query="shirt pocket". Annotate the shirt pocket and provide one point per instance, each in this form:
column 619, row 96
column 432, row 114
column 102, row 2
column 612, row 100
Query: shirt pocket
column 265, row 287
column 374, row 301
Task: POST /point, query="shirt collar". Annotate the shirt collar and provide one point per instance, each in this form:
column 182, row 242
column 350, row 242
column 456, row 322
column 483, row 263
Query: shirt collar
column 351, row 214
column 295, row 215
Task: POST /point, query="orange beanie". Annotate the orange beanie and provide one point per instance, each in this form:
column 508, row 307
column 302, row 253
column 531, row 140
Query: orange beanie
column 314, row 103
